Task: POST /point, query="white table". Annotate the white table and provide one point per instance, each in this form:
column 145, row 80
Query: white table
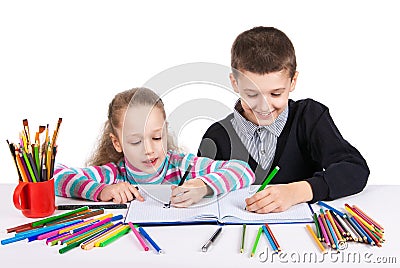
column 182, row 244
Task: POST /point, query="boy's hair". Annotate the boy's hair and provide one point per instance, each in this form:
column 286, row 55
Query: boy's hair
column 105, row 151
column 263, row 50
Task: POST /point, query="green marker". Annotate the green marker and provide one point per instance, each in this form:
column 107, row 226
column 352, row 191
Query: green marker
column 268, row 179
column 54, row 218
column 115, row 237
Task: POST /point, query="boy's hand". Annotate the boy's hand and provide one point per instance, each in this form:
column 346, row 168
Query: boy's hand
column 192, row 191
column 278, row 198
column 121, row 192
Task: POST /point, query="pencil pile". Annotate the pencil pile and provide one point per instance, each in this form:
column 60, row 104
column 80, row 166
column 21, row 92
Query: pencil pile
column 270, row 237
column 80, row 228
column 77, row 228
column 34, row 159
column 335, row 228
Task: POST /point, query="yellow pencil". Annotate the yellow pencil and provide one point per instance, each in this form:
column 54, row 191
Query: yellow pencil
column 369, row 226
column 320, row 246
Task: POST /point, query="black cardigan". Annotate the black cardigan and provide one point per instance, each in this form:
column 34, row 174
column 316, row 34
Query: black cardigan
column 309, row 148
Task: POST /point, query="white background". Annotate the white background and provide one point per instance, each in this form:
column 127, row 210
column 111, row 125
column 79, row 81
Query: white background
column 69, row 58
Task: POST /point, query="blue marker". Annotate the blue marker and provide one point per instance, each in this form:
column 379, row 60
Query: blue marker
column 151, row 241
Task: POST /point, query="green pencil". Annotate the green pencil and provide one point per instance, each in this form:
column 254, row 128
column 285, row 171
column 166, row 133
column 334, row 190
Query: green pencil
column 253, row 251
column 243, row 236
column 268, row 179
column 53, row 218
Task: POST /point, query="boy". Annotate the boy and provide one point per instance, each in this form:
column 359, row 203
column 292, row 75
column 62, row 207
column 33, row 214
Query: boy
column 267, row 129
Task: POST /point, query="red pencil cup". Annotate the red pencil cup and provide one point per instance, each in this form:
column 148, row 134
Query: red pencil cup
column 35, row 199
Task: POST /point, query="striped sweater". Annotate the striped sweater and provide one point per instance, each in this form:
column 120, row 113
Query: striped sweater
column 87, row 183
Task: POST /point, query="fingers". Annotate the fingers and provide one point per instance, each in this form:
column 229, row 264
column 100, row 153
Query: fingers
column 136, row 193
column 120, row 193
column 263, row 202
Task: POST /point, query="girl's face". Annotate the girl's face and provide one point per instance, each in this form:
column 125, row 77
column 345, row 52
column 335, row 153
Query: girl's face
column 263, row 97
column 143, row 138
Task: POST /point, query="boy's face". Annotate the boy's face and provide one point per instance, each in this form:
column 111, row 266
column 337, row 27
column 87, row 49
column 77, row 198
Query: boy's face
column 263, row 97
column 143, row 138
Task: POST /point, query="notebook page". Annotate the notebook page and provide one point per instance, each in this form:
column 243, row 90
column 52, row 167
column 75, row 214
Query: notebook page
column 232, row 210
column 153, row 210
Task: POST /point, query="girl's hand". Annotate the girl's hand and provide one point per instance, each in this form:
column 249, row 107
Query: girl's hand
column 278, row 198
column 192, row 191
column 121, row 192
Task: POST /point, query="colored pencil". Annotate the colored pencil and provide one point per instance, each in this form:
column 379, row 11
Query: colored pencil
column 335, row 229
column 367, row 218
column 315, row 218
column 325, row 205
column 253, row 251
column 320, row 246
column 331, row 241
column 243, row 237
column 351, row 211
column 269, row 238
column 325, row 235
column 330, row 228
column 353, row 232
column 368, row 233
column 273, row 237
column 268, row 179
column 340, row 222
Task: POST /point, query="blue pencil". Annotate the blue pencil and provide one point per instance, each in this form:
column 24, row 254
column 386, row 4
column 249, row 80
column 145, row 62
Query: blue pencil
column 271, row 241
column 369, row 240
column 335, row 240
column 151, row 241
column 341, row 214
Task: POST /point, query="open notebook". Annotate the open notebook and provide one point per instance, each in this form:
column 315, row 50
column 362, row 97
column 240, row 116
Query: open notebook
column 224, row 209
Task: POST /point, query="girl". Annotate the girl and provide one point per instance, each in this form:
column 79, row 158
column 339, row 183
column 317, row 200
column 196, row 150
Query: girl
column 132, row 150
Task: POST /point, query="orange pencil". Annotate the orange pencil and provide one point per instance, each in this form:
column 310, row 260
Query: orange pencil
column 338, row 235
column 319, row 244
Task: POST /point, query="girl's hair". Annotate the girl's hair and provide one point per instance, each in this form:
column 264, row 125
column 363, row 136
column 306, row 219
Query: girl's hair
column 105, row 151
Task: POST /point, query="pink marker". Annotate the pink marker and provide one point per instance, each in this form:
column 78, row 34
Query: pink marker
column 141, row 241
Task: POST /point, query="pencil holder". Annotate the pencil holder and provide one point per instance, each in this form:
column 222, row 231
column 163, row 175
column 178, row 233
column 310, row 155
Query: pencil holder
column 35, row 199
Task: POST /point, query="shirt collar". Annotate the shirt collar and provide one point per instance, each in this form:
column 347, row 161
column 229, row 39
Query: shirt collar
column 249, row 128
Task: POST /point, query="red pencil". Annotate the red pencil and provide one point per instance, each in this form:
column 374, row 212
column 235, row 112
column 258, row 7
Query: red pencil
column 366, row 217
column 273, row 237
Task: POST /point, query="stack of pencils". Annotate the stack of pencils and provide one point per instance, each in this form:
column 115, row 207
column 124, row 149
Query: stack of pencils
column 336, row 228
column 270, row 237
column 34, row 159
column 77, row 228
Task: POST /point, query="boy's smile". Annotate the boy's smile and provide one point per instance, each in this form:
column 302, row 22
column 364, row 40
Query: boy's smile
column 263, row 97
